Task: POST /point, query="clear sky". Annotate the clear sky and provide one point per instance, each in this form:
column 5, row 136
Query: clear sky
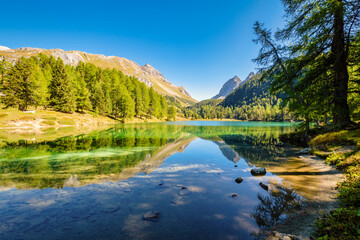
column 198, row 44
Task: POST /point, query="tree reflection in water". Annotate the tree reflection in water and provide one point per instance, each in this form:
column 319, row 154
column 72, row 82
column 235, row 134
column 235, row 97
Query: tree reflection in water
column 273, row 208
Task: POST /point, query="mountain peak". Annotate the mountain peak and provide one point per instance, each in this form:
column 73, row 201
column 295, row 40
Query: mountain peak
column 229, row 86
column 251, row 74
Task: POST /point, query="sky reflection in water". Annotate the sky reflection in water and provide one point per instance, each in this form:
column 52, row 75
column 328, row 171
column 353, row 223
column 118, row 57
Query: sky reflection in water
column 99, row 186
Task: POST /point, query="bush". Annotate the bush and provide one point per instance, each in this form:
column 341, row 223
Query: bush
column 343, row 223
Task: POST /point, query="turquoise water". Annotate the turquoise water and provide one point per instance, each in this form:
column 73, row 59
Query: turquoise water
column 100, row 185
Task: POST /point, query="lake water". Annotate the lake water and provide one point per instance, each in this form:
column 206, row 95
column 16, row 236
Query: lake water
column 105, row 185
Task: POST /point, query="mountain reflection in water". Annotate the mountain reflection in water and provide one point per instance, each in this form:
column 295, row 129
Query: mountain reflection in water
column 100, row 185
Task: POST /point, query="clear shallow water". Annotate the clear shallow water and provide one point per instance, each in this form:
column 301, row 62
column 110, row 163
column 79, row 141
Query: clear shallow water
column 100, row 185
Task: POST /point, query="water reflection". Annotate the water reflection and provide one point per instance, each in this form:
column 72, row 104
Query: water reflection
column 184, row 172
column 103, row 155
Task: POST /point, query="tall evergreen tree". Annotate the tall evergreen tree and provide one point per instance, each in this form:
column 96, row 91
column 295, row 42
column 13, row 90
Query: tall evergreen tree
column 18, row 89
column 312, row 47
column 61, row 91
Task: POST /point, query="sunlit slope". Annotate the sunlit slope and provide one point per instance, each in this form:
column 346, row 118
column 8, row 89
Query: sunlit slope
column 147, row 74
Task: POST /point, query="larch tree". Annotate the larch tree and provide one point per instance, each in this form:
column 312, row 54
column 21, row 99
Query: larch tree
column 314, row 46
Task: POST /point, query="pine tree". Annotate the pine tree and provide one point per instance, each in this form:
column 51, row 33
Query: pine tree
column 61, row 91
column 18, row 89
column 172, row 113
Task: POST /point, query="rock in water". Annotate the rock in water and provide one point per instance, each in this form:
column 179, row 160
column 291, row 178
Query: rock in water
column 260, row 171
column 151, row 216
column 305, row 151
column 264, row 186
column 238, row 180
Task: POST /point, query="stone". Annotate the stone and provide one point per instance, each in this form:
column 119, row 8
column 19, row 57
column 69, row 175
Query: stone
column 286, row 238
column 305, row 151
column 151, row 215
column 277, row 234
column 264, row 186
column 239, row 180
column 260, row 171
column 279, row 144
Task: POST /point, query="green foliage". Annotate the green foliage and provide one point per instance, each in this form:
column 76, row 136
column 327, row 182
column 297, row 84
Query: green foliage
column 343, row 223
column 308, row 59
column 17, row 87
column 250, row 101
column 43, row 81
column 61, row 91
column 172, row 113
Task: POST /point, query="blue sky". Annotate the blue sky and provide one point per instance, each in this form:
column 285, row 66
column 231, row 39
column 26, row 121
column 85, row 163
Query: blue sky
column 197, row 44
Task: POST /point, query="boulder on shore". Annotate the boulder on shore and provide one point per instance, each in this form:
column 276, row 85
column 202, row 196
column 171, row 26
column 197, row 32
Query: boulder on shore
column 260, row 171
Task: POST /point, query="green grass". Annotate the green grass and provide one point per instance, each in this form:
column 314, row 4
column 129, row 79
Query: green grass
column 341, row 138
column 67, row 121
column 49, row 122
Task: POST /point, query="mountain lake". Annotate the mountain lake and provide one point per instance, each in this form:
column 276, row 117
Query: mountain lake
column 173, row 180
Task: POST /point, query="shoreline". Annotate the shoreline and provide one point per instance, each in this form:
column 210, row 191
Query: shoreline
column 302, row 223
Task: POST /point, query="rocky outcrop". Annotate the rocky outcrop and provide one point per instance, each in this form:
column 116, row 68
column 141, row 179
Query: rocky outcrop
column 228, row 87
column 3, row 48
column 251, row 74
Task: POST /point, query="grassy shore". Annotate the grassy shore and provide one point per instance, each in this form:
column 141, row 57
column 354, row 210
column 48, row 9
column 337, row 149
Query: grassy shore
column 41, row 124
column 340, row 148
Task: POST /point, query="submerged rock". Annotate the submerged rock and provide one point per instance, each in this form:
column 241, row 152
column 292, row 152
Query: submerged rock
column 260, row 171
column 234, row 195
column 264, row 186
column 151, row 216
column 235, row 165
column 239, row 180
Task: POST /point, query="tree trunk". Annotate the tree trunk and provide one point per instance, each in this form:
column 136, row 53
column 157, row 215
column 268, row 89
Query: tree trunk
column 341, row 112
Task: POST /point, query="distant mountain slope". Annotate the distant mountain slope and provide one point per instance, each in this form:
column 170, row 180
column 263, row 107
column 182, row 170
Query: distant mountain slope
column 251, row 91
column 229, row 86
column 147, row 74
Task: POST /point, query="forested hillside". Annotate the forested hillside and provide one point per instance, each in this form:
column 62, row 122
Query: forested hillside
column 146, row 74
column 47, row 82
column 250, row 101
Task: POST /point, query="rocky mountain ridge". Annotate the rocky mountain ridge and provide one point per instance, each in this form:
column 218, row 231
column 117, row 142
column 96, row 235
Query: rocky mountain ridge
column 230, row 85
column 147, row 73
